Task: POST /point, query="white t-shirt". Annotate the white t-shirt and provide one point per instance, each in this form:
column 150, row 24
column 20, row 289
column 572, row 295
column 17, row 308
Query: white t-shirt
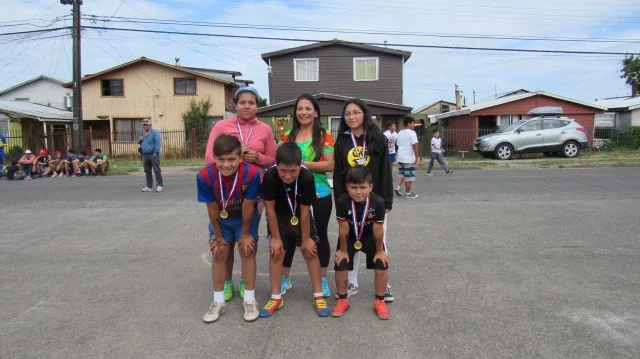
column 406, row 139
column 392, row 138
column 436, row 144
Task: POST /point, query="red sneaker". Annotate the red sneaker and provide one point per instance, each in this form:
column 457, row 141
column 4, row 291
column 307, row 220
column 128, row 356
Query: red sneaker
column 380, row 307
column 341, row 306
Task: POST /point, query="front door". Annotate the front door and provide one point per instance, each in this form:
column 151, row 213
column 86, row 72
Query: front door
column 334, row 125
column 530, row 136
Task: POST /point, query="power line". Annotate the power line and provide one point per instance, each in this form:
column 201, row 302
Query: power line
column 35, row 31
column 351, row 31
column 364, row 43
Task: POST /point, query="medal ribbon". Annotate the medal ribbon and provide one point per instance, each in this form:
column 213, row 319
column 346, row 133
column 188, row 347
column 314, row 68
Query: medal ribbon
column 235, row 181
column 360, row 230
column 240, row 131
column 355, row 144
column 293, row 206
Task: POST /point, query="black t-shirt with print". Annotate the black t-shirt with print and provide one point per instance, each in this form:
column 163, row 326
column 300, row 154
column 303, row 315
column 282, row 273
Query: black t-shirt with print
column 273, row 189
column 376, row 214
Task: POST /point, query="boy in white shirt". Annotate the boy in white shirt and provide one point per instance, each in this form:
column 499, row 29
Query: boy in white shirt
column 408, row 153
column 436, row 154
column 392, row 139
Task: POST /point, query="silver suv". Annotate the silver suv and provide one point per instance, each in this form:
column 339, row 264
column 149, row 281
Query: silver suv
column 547, row 133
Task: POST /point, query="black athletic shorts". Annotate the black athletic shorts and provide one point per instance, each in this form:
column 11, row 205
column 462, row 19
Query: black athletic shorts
column 368, row 248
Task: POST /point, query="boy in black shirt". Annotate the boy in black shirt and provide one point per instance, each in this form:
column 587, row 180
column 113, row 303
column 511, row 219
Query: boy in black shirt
column 360, row 214
column 288, row 190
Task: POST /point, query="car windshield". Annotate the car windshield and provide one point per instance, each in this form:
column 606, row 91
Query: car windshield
column 511, row 127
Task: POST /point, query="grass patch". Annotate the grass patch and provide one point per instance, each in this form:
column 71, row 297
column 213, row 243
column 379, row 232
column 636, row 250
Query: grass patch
column 127, row 166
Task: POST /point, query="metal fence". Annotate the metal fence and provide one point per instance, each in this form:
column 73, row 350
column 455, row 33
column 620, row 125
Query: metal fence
column 192, row 143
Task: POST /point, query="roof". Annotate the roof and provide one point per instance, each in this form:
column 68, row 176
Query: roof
column 506, row 99
column 329, row 96
column 41, row 77
column 621, row 103
column 291, row 50
column 199, row 72
column 433, row 104
column 23, row 109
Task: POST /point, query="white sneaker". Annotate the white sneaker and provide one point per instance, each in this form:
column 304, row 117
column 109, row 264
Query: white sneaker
column 159, row 189
column 251, row 311
column 61, row 175
column 428, row 174
column 147, row 189
column 352, row 289
column 214, row 312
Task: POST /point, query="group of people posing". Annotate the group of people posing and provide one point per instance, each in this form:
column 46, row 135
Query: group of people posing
column 247, row 173
column 73, row 164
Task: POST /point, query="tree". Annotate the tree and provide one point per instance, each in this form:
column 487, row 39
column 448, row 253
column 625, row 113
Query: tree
column 262, row 102
column 197, row 114
column 631, row 73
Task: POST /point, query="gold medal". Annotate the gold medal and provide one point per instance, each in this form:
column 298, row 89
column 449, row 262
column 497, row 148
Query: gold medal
column 357, row 245
column 224, row 214
column 294, row 221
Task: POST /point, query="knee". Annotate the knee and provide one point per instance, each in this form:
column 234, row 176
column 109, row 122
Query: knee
column 246, row 252
column 309, row 255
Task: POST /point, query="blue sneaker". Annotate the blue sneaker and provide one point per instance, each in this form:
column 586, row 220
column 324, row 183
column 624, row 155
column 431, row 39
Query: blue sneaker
column 285, row 284
column 326, row 292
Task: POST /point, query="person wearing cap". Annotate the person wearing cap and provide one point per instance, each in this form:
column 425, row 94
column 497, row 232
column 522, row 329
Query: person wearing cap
column 258, row 148
column 3, row 144
column 27, row 162
column 150, row 142
column 42, row 163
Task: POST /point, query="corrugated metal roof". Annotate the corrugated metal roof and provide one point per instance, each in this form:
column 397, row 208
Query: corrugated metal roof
column 21, row 109
column 41, row 77
column 629, row 103
column 502, row 100
column 329, row 96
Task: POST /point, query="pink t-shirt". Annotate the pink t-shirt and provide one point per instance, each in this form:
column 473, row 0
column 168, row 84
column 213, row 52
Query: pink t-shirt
column 257, row 134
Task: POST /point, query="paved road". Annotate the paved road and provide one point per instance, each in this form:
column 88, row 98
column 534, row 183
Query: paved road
column 517, row 264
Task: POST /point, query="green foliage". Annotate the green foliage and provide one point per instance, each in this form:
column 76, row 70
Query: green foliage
column 197, row 114
column 630, row 70
column 14, row 152
column 618, row 138
column 262, row 102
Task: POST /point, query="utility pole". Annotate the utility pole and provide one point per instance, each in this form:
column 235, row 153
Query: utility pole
column 78, row 128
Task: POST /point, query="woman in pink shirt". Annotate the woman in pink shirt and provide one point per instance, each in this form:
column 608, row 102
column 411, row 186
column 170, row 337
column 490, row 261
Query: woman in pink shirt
column 258, row 147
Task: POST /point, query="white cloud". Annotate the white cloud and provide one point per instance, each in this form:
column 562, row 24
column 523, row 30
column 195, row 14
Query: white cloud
column 429, row 74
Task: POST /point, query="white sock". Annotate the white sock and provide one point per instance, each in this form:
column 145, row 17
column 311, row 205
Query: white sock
column 273, row 296
column 218, row 297
column 316, row 295
column 249, row 295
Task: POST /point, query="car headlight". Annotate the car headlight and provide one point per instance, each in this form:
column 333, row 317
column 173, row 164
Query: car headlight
column 487, row 139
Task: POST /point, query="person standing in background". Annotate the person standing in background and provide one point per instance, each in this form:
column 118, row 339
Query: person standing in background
column 392, row 140
column 408, row 154
column 150, row 143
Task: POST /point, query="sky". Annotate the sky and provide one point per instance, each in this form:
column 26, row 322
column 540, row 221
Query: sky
column 429, row 75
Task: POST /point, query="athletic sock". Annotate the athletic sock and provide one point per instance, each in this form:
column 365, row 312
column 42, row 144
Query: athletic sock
column 342, row 296
column 318, row 295
column 273, row 296
column 379, row 297
column 218, row 297
column 249, row 295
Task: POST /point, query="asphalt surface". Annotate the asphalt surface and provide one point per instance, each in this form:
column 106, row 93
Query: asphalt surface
column 485, row 264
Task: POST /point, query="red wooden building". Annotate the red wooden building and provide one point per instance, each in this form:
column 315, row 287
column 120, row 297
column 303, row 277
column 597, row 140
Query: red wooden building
column 461, row 127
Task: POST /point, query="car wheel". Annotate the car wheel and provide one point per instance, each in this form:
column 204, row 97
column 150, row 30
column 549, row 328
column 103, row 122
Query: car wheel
column 570, row 149
column 504, row 151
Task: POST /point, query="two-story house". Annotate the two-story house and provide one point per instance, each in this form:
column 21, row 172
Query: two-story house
column 114, row 101
column 334, row 72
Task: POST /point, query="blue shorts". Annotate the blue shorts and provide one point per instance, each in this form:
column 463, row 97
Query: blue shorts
column 392, row 158
column 232, row 228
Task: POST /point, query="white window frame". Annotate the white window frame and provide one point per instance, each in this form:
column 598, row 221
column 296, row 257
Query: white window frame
column 295, row 69
column 355, row 61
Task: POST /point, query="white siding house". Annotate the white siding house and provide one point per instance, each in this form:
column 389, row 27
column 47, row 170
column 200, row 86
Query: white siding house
column 41, row 90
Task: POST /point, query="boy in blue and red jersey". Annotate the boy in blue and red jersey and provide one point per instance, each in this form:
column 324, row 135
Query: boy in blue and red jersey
column 230, row 187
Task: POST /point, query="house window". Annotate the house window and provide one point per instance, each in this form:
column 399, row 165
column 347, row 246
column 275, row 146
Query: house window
column 127, row 129
column 112, row 88
column 184, row 86
column 4, row 128
column 365, row 69
column 306, row 69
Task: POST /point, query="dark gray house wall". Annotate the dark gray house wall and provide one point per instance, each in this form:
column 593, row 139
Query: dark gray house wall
column 336, row 75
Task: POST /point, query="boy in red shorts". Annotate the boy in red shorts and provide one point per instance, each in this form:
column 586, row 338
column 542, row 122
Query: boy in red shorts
column 360, row 215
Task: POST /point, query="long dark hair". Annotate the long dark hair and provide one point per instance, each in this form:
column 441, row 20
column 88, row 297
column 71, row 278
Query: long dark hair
column 318, row 132
column 376, row 141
